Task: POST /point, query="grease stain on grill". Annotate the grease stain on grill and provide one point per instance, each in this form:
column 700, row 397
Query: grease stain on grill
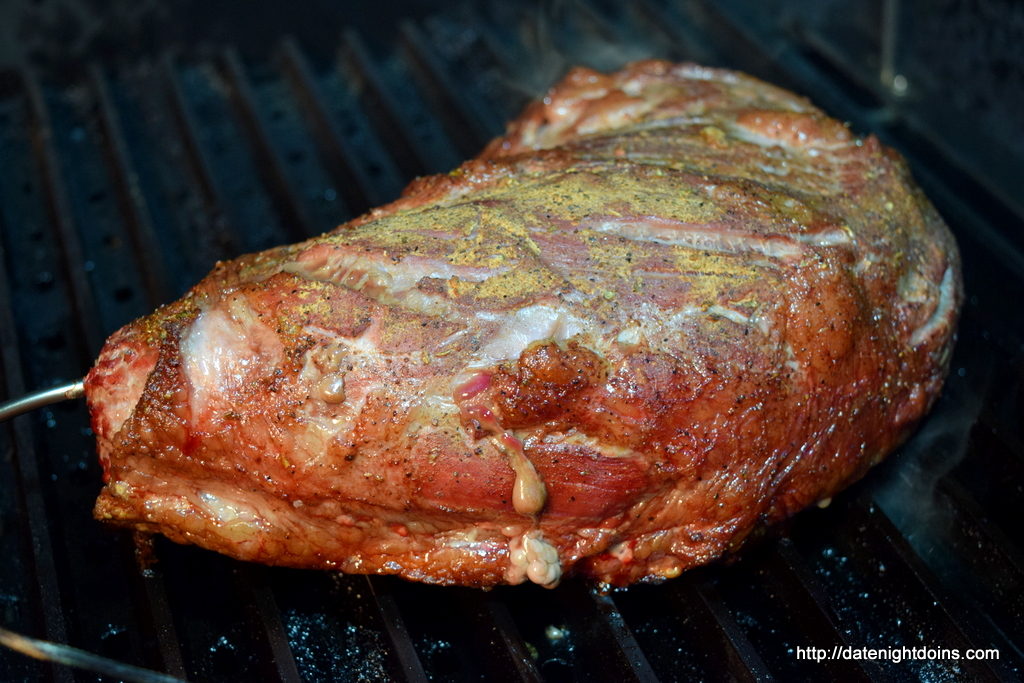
column 439, row 657
column 324, row 652
column 113, row 632
column 223, row 648
column 554, row 655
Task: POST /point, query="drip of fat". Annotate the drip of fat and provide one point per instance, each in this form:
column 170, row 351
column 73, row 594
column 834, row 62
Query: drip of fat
column 529, row 494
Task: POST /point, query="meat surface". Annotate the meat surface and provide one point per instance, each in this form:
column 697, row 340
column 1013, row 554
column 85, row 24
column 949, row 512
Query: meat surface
column 671, row 305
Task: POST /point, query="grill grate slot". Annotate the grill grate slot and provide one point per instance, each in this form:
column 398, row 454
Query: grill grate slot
column 189, row 132
column 990, row 577
column 296, row 218
column 171, row 197
column 96, row 614
column 453, row 635
column 744, row 658
column 19, row 442
column 469, row 121
column 222, row 156
column 801, row 596
column 393, row 77
column 159, row 614
column 358, row 184
column 73, row 260
column 465, row 59
column 992, row 481
column 416, row 148
column 334, row 627
column 515, row 45
column 946, row 593
column 103, row 243
column 310, row 180
column 221, row 634
column 132, row 201
column 624, row 638
column 680, row 641
column 718, row 632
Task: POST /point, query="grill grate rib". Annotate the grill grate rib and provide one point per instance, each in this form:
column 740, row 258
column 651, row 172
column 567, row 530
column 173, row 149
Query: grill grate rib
column 469, row 122
column 27, row 471
column 86, row 311
column 615, row 625
column 269, row 617
column 130, row 196
column 500, row 620
column 361, row 187
column 403, row 646
column 198, row 156
column 274, row 171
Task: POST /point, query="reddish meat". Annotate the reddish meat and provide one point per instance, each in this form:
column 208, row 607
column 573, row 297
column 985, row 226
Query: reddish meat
column 673, row 303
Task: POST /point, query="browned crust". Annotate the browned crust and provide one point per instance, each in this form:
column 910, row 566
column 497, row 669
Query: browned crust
column 822, row 291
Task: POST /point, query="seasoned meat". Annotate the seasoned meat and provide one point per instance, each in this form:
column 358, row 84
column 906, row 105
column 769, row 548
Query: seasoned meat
column 672, row 304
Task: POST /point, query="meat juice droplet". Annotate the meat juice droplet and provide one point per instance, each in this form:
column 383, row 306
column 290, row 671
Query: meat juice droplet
column 332, row 388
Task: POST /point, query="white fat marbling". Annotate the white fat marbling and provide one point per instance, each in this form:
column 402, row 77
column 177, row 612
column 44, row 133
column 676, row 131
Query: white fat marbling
column 729, row 314
column 943, row 312
column 630, row 336
column 526, row 326
column 826, row 238
column 702, row 238
column 227, row 511
column 225, row 348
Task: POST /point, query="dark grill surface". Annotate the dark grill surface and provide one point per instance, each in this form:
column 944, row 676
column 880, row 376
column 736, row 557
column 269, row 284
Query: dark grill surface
column 124, row 182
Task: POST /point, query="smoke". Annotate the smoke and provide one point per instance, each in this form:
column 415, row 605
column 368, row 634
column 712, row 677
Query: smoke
column 905, row 488
column 564, row 33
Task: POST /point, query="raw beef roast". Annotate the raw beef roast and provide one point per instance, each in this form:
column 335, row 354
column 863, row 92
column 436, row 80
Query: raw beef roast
column 673, row 304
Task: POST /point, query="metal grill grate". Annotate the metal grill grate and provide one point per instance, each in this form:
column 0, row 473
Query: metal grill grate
column 124, row 183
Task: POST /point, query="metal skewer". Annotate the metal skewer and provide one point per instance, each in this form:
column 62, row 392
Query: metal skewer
column 72, row 656
column 38, row 399
column 44, row 649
